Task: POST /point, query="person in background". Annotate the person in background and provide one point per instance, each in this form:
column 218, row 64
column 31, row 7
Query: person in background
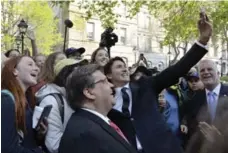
column 142, row 61
column 45, row 96
column 194, row 81
column 74, row 53
column 27, row 52
column 169, row 104
column 206, row 100
column 12, row 53
column 47, row 73
column 89, row 130
column 18, row 135
column 140, row 71
column 100, row 57
column 40, row 60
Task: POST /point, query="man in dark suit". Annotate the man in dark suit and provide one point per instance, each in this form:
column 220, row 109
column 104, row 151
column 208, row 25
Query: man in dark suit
column 203, row 106
column 89, row 130
column 136, row 111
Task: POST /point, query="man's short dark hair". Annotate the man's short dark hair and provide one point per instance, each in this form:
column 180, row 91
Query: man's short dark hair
column 108, row 66
column 77, row 81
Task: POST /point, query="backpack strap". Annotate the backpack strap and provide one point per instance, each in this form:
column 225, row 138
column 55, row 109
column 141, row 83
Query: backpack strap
column 60, row 103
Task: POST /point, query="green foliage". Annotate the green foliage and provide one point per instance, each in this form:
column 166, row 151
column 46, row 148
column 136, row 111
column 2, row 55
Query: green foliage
column 224, row 78
column 40, row 19
column 102, row 9
column 220, row 21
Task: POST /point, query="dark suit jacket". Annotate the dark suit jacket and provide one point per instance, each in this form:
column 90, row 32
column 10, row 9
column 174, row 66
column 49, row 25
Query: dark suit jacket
column 87, row 133
column 146, row 121
column 197, row 109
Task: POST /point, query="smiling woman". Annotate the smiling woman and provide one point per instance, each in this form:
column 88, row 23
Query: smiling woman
column 18, row 75
column 100, row 57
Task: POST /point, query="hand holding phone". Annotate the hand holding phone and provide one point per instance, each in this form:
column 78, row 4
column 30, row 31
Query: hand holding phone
column 205, row 28
column 45, row 114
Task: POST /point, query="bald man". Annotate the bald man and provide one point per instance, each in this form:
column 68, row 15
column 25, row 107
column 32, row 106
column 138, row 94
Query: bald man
column 205, row 103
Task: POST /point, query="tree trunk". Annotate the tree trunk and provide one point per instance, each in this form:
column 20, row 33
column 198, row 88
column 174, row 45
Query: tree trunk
column 62, row 13
column 34, row 48
column 177, row 53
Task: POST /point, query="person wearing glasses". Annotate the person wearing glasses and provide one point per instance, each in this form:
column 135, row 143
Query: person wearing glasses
column 89, row 130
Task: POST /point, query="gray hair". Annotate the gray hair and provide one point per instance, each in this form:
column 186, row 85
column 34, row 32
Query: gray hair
column 77, row 81
column 208, row 61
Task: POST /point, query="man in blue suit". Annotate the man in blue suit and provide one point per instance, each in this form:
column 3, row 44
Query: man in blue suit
column 204, row 105
column 136, row 111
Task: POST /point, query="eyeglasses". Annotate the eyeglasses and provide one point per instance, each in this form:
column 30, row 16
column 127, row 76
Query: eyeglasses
column 104, row 81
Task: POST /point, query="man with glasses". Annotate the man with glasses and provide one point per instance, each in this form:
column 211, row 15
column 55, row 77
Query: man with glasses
column 89, row 130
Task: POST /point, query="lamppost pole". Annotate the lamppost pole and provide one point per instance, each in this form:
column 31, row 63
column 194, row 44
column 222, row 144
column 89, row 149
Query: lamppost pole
column 22, row 28
column 18, row 42
column 221, row 66
column 22, row 45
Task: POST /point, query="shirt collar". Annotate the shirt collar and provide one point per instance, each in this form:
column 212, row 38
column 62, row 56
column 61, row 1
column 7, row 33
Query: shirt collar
column 105, row 118
column 216, row 90
column 125, row 86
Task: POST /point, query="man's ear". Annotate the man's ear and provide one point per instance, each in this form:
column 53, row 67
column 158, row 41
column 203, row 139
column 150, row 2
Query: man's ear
column 89, row 94
column 109, row 76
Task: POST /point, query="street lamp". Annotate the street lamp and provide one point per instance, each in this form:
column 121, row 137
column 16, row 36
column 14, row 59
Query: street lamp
column 22, row 28
column 18, row 41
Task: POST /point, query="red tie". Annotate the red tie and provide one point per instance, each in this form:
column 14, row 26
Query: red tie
column 117, row 129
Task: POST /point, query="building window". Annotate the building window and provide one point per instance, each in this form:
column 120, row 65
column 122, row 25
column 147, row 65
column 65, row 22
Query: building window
column 147, row 22
column 141, row 20
column 123, row 10
column 90, row 29
column 123, row 34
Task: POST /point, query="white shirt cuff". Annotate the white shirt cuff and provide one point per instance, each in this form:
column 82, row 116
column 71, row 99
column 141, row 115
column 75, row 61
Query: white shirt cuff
column 201, row 45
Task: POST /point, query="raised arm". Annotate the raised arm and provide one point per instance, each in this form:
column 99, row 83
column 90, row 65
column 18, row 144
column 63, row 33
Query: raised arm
column 171, row 75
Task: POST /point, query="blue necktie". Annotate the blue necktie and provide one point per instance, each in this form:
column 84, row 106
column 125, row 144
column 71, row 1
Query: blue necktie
column 212, row 104
column 126, row 102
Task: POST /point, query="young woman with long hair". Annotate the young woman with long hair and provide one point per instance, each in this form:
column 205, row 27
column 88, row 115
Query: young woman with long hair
column 100, row 56
column 18, row 75
column 47, row 73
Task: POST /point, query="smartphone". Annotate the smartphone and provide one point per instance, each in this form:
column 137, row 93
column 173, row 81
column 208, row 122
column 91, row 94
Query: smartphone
column 45, row 113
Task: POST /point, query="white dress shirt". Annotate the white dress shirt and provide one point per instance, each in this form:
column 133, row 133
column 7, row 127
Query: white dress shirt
column 201, row 45
column 119, row 98
column 119, row 104
column 105, row 118
column 216, row 91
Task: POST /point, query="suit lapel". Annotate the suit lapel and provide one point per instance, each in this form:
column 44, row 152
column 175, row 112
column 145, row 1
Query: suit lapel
column 204, row 114
column 134, row 91
column 223, row 91
column 105, row 126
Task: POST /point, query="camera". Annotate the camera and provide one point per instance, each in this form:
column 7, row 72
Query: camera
column 108, row 38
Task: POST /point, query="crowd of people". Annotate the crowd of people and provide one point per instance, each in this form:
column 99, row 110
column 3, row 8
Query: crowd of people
column 102, row 106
